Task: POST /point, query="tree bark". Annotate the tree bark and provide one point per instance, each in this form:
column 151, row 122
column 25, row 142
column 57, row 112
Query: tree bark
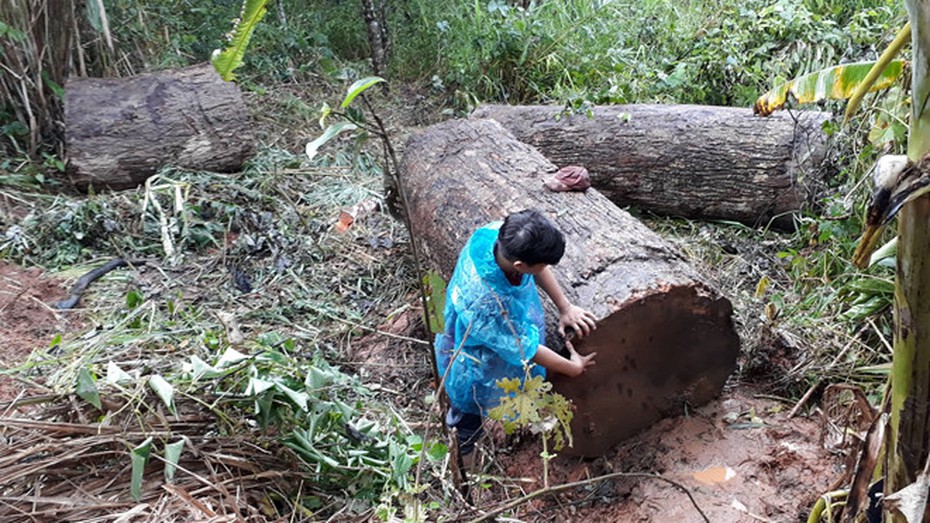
column 665, row 337
column 120, row 131
column 375, row 23
column 683, row 160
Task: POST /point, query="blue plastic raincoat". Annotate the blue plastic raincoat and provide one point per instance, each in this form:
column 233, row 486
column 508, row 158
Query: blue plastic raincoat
column 482, row 302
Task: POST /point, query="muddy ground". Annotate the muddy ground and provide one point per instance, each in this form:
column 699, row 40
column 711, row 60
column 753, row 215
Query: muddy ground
column 741, row 457
column 28, row 319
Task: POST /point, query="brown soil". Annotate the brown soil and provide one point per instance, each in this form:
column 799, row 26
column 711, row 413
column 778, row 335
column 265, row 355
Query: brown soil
column 740, row 457
column 27, row 320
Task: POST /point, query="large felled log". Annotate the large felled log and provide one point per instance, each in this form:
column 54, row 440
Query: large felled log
column 119, row 131
column 665, row 338
column 682, row 160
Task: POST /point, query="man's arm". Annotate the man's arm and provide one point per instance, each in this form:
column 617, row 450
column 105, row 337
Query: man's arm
column 569, row 315
column 572, row 366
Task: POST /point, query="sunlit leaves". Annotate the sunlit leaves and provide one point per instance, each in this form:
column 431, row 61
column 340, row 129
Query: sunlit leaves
column 836, row 83
column 350, row 124
column 331, row 132
column 358, row 88
column 533, row 404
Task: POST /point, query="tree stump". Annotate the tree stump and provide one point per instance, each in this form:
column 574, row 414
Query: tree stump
column 683, row 160
column 120, row 131
column 665, row 337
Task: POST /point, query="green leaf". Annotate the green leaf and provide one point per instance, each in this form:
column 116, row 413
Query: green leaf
column 164, row 390
column 134, row 298
column 227, row 61
column 230, row 357
column 140, row 458
column 437, row 452
column 257, row 386
column 318, row 378
column 86, row 388
column 331, row 132
column 359, row 87
column 325, row 111
column 57, row 89
column 172, row 457
column 435, row 301
column 116, row 375
column 838, row 83
column 197, row 368
column 299, row 398
column 11, row 32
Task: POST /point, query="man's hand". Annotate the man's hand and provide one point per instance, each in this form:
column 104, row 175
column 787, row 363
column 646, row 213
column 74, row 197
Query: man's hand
column 581, row 320
column 580, row 362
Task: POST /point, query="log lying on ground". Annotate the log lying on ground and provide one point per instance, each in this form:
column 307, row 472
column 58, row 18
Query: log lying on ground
column 120, row 131
column 665, row 338
column 683, row 160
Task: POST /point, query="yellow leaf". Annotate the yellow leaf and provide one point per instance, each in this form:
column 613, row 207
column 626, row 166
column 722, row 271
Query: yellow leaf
column 839, row 82
column 761, row 286
column 509, row 385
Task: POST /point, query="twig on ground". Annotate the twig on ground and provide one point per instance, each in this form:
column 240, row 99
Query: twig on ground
column 566, row 486
column 801, row 402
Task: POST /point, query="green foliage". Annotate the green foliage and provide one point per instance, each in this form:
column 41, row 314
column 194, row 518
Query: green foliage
column 140, row 458
column 533, row 404
column 435, row 288
column 173, row 453
column 723, row 52
column 352, row 118
column 169, row 33
column 324, row 415
column 228, row 60
column 86, row 389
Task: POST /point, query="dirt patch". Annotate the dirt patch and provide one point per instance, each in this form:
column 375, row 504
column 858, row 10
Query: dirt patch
column 27, row 321
column 740, row 457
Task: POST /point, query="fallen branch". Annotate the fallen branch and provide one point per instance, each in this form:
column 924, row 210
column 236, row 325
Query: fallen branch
column 566, row 486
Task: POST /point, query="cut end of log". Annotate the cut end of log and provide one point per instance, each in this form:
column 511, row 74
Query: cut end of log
column 665, row 338
column 656, row 355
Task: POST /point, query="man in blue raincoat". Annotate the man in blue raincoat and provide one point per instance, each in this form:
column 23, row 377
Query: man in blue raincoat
column 494, row 318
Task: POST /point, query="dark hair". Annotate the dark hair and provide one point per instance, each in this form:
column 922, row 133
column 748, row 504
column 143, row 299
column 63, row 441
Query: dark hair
column 529, row 237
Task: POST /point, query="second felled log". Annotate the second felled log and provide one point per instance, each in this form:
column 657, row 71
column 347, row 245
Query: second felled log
column 120, row 131
column 683, row 160
column 665, row 337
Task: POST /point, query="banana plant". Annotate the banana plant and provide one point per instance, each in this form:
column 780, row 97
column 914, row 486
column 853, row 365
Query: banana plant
column 226, row 61
column 906, row 441
column 907, row 447
column 842, row 82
